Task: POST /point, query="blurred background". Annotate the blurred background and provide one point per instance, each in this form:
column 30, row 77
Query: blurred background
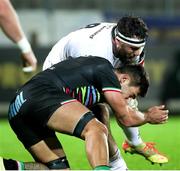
column 46, row 21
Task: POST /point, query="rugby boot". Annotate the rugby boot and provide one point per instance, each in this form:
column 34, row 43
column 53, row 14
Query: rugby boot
column 147, row 150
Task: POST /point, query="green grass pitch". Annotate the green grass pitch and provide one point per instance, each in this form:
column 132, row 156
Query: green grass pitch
column 166, row 136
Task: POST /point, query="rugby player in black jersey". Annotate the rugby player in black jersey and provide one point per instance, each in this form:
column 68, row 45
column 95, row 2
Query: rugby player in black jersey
column 60, row 99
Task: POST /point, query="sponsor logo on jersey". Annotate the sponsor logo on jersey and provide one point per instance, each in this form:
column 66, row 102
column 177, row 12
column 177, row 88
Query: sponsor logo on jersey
column 16, row 105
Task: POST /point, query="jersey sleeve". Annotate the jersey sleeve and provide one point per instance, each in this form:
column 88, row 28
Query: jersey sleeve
column 107, row 79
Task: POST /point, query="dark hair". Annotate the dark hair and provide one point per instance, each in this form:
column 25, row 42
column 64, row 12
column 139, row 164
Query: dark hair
column 132, row 26
column 138, row 75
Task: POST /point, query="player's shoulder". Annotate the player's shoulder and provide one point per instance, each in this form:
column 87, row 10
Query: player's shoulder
column 98, row 59
column 100, row 62
column 93, row 60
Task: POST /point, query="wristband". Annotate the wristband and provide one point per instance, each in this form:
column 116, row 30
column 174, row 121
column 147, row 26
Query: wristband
column 27, row 69
column 24, row 45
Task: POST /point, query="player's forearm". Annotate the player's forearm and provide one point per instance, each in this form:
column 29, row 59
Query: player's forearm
column 125, row 115
column 131, row 118
column 9, row 21
column 154, row 115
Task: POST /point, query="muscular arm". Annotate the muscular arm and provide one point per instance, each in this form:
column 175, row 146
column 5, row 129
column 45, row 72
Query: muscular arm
column 129, row 117
column 9, row 22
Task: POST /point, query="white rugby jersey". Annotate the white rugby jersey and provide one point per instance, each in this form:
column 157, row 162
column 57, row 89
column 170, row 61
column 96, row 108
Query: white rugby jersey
column 94, row 40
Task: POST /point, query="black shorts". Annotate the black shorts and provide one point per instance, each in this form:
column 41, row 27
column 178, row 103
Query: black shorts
column 31, row 109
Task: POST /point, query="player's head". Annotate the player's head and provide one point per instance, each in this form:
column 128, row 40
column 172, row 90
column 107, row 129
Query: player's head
column 130, row 37
column 134, row 80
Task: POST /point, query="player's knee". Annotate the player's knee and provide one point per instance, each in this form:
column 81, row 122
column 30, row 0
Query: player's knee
column 100, row 127
column 84, row 127
column 96, row 128
column 61, row 163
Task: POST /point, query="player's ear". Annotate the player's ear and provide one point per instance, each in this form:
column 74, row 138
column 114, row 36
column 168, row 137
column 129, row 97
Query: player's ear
column 125, row 78
column 117, row 42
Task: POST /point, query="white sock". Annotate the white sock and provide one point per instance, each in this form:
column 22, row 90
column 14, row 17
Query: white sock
column 117, row 162
column 133, row 135
column 2, row 167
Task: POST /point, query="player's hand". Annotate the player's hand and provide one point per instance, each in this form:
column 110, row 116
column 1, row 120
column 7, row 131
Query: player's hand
column 157, row 115
column 29, row 62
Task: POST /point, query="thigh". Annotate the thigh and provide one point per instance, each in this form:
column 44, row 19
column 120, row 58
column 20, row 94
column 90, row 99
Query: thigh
column 66, row 117
column 42, row 153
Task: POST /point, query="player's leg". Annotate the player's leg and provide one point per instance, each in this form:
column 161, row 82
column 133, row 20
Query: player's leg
column 75, row 119
column 102, row 112
column 134, row 143
column 2, row 167
column 54, row 144
column 10, row 164
column 41, row 152
column 32, row 135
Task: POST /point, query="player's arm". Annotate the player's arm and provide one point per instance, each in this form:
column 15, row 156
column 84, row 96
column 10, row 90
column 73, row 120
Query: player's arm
column 9, row 21
column 129, row 117
column 10, row 25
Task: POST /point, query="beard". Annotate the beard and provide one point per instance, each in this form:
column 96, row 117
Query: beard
column 122, row 56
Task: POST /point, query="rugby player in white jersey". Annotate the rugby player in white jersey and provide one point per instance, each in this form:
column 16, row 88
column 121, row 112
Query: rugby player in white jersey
column 120, row 43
